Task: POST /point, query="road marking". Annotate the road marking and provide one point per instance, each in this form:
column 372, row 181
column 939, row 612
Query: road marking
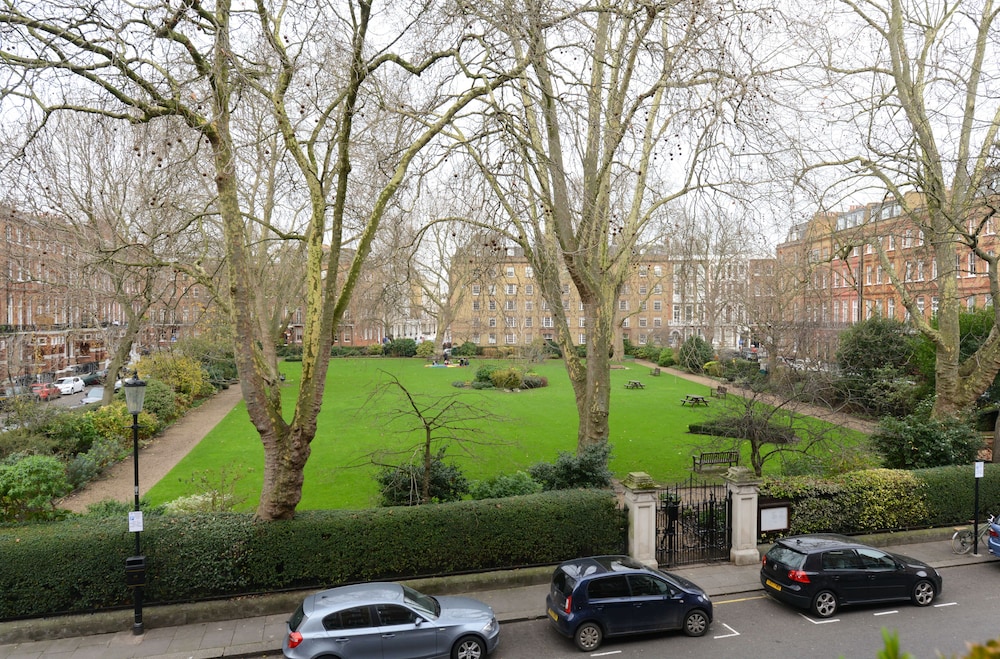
column 886, row 613
column 938, row 606
column 606, row 654
column 819, row 622
column 733, row 632
column 742, row 599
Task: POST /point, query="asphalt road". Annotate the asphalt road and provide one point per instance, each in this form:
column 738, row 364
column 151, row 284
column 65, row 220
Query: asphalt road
column 756, row 626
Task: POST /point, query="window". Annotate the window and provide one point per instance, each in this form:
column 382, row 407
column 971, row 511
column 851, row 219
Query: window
column 972, row 264
column 642, row 322
column 657, row 270
column 582, row 322
column 392, row 614
column 676, row 315
column 529, row 305
column 475, row 305
column 492, row 339
column 642, row 306
column 510, row 339
column 643, row 270
column 356, row 618
column 657, row 322
column 547, row 321
column 511, row 289
column 492, row 289
column 642, row 289
column 565, row 289
column 658, row 289
column 529, row 289
column 622, row 305
column 527, row 321
column 529, row 272
column 582, row 339
column 624, row 322
column 510, row 271
column 476, row 288
column 647, row 584
column 508, row 305
column 492, row 306
column 510, row 321
column 493, row 322
column 657, row 305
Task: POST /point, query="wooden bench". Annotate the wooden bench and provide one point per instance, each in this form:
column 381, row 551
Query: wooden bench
column 655, row 371
column 720, row 392
column 634, row 384
column 728, row 458
column 694, row 401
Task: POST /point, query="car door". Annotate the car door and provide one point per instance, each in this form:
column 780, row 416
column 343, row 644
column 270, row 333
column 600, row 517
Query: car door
column 886, row 579
column 610, row 601
column 352, row 634
column 842, row 572
column 406, row 634
column 654, row 605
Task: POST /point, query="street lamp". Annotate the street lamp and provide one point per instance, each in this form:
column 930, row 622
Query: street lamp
column 135, row 566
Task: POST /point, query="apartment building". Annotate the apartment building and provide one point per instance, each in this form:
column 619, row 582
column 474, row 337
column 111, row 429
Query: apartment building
column 832, row 275
column 664, row 302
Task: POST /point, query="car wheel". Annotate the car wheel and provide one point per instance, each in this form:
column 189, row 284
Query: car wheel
column 824, row 604
column 468, row 647
column 923, row 593
column 588, row 636
column 696, row 623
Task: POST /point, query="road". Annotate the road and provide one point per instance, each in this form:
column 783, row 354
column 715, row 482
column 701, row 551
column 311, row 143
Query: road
column 756, row 626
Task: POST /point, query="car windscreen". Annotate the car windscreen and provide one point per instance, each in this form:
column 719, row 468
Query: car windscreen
column 425, row 603
column 563, row 583
column 788, row 557
column 296, row 619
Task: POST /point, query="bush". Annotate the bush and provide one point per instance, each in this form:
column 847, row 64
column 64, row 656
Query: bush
column 713, row 369
column 507, row 378
column 29, row 487
column 401, row 348
column 184, row 375
column 505, row 485
column 666, row 358
column 401, row 485
column 425, row 349
column 161, row 402
column 219, row 555
column 85, row 467
column 534, row 382
column 374, row 350
column 467, row 349
column 115, row 423
column 485, row 373
column 694, row 354
column 918, row 441
column 71, row 432
column 588, row 470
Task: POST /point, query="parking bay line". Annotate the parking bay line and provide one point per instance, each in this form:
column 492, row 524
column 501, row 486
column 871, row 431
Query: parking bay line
column 734, row 632
column 819, row 622
column 886, row 613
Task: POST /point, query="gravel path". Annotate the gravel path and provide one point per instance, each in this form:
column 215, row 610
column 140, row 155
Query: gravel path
column 158, row 457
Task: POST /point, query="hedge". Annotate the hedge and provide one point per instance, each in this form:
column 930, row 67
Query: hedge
column 875, row 500
column 78, row 565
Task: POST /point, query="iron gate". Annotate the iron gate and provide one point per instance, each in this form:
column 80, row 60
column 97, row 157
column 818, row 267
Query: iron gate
column 693, row 524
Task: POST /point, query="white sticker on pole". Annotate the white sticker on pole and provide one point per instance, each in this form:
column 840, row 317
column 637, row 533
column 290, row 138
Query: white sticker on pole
column 979, row 468
column 134, row 521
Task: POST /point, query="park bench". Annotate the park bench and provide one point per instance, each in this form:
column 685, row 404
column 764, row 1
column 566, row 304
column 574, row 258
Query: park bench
column 694, row 401
column 728, row 458
column 634, row 384
column 720, row 392
column 655, row 371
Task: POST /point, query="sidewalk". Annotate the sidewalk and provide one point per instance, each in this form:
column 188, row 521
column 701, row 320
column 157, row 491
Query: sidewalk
column 255, row 627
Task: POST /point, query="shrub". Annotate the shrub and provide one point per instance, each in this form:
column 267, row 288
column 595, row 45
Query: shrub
column 507, row 378
column 485, row 373
column 918, row 441
column 694, row 354
column 505, row 485
column 29, row 487
column 467, row 349
column 401, row 348
column 401, row 485
column 85, row 467
column 375, row 350
column 71, row 432
column 115, row 423
column 425, row 349
column 161, row 402
column 713, row 369
column 184, row 375
column 476, row 384
column 666, row 358
column 534, row 382
column 589, row 469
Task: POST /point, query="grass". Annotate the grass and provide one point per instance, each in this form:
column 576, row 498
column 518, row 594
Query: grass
column 648, row 432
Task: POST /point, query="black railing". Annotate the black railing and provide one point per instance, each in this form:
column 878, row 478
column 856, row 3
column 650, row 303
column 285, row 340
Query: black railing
column 692, row 523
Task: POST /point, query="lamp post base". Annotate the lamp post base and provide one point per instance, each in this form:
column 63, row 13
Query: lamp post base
column 137, row 629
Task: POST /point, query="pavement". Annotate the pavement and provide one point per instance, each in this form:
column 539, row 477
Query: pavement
column 255, row 626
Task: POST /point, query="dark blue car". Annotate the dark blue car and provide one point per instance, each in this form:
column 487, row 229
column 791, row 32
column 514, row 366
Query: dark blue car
column 602, row 596
column 993, row 536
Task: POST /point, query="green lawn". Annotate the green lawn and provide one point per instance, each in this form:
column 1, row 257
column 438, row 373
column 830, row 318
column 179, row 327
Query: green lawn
column 648, row 431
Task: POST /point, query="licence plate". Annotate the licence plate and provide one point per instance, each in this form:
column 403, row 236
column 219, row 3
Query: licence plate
column 770, row 583
column 552, row 614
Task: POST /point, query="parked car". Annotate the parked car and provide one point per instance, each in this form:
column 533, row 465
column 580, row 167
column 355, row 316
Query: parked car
column 993, row 536
column 95, row 395
column 70, row 385
column 375, row 620
column 45, row 391
column 599, row 597
column 94, row 377
column 822, row 572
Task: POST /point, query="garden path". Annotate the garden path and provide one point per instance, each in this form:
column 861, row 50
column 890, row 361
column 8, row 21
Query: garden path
column 158, row 457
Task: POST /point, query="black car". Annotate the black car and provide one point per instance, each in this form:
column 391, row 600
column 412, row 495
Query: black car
column 824, row 571
column 600, row 596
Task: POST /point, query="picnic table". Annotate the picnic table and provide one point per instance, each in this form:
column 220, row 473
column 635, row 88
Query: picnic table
column 634, row 384
column 694, row 401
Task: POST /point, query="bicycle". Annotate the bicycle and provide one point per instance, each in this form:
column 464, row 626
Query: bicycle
column 964, row 539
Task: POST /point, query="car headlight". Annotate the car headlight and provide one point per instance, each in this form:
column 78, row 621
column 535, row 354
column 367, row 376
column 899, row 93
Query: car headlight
column 490, row 626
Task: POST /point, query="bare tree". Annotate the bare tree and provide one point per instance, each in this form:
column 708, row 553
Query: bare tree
column 623, row 109
column 918, row 106
column 320, row 81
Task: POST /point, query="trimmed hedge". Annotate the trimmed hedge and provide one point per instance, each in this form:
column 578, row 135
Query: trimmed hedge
column 886, row 499
column 78, row 565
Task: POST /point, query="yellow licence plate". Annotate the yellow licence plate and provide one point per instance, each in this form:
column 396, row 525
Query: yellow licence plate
column 552, row 614
column 772, row 584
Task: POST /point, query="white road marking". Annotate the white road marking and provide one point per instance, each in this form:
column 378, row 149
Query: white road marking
column 730, row 635
column 819, row 622
column 606, row 654
column 938, row 606
column 886, row 613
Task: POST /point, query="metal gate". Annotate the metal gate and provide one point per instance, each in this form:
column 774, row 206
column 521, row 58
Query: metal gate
column 693, row 524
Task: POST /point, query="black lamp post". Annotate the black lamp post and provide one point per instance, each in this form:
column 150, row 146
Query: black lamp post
column 135, row 566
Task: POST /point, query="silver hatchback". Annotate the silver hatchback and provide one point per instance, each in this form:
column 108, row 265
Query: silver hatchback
column 375, row 620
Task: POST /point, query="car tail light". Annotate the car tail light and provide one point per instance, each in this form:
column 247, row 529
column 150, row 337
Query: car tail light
column 993, row 532
column 798, row 575
column 569, row 603
column 294, row 638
